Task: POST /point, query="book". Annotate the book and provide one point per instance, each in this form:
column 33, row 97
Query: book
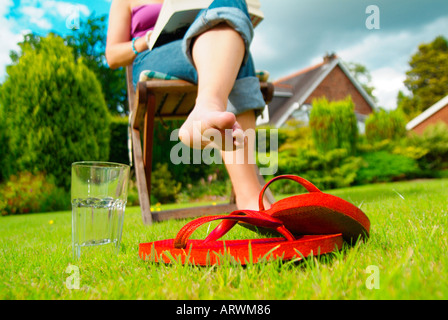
column 176, row 17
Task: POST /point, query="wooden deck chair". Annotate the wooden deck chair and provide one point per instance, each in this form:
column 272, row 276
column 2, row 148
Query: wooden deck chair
column 165, row 99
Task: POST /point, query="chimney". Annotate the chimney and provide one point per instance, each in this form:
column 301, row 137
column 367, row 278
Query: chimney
column 330, row 57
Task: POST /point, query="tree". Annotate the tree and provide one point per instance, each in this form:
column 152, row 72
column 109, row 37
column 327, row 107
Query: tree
column 30, row 41
column 427, row 80
column 363, row 76
column 54, row 111
column 89, row 43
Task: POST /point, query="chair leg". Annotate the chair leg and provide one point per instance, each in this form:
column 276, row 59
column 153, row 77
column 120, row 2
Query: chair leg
column 141, row 178
column 148, row 139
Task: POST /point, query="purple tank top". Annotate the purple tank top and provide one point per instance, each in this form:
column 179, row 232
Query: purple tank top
column 144, row 18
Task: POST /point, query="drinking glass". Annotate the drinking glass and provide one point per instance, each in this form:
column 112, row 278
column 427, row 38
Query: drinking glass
column 99, row 194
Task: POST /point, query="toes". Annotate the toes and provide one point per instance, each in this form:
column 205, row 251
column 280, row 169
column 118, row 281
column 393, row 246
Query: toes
column 218, row 130
column 221, row 120
column 238, row 137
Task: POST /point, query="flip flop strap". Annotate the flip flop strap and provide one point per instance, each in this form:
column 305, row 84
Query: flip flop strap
column 305, row 183
column 251, row 217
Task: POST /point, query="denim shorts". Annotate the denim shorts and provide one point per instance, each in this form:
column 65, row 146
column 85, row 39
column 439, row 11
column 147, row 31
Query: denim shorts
column 175, row 59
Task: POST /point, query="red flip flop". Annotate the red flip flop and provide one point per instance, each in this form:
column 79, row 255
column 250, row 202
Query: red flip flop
column 211, row 251
column 314, row 222
column 313, row 213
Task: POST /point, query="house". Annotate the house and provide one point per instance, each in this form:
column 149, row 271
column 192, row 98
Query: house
column 293, row 94
column 436, row 113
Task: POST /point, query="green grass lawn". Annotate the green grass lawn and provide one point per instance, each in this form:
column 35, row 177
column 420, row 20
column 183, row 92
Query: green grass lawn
column 407, row 253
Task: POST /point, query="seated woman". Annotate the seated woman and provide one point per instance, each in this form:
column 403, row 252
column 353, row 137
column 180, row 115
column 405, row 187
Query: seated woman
column 214, row 54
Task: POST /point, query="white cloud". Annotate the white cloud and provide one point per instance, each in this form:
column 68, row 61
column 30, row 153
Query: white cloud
column 301, row 35
column 4, row 7
column 64, row 9
column 8, row 37
column 36, row 16
column 387, row 82
column 261, row 47
column 379, row 50
column 39, row 12
column 386, row 55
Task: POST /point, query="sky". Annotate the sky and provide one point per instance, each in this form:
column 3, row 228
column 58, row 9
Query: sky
column 294, row 34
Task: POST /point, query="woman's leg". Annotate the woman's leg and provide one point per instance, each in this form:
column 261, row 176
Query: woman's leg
column 243, row 174
column 220, row 57
column 217, row 55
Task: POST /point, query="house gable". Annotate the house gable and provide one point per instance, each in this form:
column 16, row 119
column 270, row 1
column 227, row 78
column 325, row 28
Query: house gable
column 337, row 86
column 330, row 79
column 436, row 113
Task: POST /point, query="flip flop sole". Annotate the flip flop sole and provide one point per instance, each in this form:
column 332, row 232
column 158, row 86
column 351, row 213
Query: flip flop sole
column 242, row 251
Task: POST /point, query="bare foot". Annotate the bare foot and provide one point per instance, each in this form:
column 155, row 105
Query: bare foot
column 211, row 127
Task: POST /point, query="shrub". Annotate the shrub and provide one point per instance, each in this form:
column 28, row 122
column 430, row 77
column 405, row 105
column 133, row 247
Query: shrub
column 365, row 146
column 334, row 125
column 55, row 112
column 28, row 193
column 118, row 145
column 297, row 138
column 212, row 189
column 435, row 140
column 3, row 144
column 163, row 186
column 264, row 133
column 383, row 166
column 413, row 152
column 383, row 125
column 334, row 169
column 133, row 199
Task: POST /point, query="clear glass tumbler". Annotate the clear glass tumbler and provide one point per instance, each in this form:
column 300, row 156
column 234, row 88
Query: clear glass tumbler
column 99, row 193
